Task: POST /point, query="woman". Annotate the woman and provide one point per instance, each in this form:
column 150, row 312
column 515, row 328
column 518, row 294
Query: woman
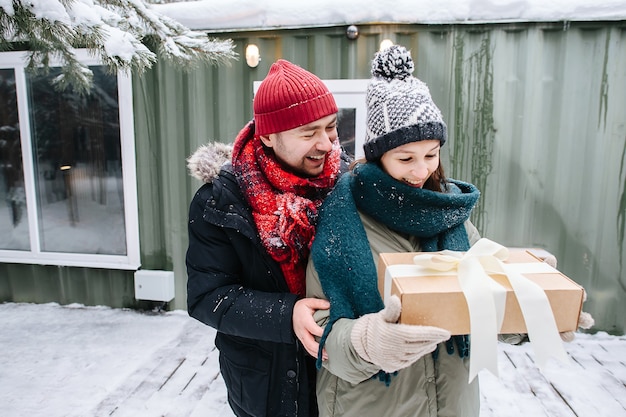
column 398, row 200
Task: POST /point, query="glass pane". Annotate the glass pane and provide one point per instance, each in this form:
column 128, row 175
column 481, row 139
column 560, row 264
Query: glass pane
column 13, row 219
column 346, row 122
column 78, row 166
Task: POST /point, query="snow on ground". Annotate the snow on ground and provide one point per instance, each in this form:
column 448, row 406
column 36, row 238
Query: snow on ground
column 59, row 361
column 65, row 360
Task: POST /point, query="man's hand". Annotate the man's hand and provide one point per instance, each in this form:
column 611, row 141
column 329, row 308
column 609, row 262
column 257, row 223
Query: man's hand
column 305, row 326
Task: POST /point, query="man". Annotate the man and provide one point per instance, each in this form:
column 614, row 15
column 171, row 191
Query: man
column 250, row 231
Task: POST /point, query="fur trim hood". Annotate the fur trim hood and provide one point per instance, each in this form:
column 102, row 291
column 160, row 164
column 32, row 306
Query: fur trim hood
column 205, row 163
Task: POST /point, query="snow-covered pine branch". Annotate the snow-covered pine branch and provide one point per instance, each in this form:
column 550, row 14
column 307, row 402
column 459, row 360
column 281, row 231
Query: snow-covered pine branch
column 116, row 31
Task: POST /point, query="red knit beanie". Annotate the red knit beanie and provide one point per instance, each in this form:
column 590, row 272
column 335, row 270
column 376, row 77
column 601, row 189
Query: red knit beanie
column 289, row 97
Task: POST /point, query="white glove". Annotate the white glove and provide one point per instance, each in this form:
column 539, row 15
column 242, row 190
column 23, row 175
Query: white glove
column 379, row 339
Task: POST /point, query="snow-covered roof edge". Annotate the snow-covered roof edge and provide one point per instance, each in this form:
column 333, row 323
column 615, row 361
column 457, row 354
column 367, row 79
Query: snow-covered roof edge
column 242, row 15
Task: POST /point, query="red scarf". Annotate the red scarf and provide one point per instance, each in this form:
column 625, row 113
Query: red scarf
column 284, row 205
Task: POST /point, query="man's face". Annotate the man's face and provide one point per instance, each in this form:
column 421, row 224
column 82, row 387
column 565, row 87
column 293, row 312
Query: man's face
column 303, row 150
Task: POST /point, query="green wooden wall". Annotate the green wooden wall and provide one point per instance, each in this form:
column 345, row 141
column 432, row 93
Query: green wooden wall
column 537, row 120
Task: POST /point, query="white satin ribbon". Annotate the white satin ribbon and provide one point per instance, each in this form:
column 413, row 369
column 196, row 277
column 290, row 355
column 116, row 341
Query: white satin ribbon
column 486, row 299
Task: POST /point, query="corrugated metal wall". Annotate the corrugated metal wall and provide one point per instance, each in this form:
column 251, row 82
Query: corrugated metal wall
column 537, row 119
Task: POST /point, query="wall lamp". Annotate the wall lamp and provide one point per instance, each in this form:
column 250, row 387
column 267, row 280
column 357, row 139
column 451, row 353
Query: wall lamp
column 252, row 55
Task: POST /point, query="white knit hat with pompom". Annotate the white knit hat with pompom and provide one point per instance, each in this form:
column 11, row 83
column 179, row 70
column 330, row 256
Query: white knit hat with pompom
column 400, row 109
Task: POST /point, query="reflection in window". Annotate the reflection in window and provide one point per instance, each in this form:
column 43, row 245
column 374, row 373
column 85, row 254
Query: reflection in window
column 13, row 213
column 78, row 166
column 346, row 121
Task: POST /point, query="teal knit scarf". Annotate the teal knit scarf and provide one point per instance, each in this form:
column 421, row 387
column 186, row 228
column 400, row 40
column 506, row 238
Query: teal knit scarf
column 341, row 250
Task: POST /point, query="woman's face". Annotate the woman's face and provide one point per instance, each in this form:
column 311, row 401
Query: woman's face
column 412, row 163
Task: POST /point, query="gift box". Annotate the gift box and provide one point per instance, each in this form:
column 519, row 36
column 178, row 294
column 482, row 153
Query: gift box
column 438, row 300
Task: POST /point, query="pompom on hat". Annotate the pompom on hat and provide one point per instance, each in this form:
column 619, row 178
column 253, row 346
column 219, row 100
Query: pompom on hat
column 289, row 97
column 400, row 109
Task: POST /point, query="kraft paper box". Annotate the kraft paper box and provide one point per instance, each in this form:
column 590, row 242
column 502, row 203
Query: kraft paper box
column 438, row 300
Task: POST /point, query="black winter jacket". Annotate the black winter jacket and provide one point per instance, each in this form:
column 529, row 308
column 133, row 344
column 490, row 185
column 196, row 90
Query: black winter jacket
column 235, row 287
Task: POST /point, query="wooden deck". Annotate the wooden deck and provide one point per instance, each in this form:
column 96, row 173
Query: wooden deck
column 592, row 385
column 184, row 380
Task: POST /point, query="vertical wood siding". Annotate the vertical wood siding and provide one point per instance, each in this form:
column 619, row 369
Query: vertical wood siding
column 536, row 116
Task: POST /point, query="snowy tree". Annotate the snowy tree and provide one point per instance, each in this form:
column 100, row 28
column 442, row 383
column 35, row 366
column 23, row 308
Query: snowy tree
column 124, row 34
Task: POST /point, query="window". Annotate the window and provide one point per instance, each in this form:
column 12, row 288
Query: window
column 351, row 119
column 67, row 175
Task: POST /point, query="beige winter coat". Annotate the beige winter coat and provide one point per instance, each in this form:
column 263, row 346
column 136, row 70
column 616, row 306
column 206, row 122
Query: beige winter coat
column 428, row 388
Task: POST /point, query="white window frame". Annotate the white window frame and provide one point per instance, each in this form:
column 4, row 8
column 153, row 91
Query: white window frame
column 130, row 261
column 348, row 94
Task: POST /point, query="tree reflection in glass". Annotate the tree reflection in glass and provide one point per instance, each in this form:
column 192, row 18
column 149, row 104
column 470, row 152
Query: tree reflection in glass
column 78, row 166
column 13, row 213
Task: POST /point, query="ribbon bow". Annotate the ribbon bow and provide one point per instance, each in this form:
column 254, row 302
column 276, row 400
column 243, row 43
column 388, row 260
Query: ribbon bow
column 486, row 300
